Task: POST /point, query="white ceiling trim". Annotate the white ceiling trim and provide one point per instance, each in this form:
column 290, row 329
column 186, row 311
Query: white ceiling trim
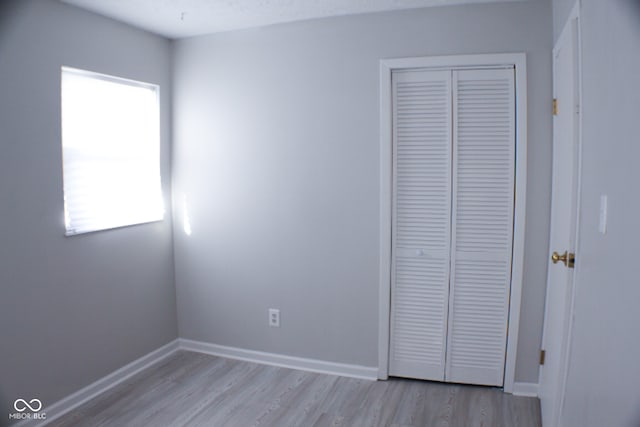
column 186, row 18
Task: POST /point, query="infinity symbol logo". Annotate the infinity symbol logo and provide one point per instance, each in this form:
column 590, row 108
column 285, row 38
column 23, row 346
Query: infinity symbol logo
column 21, row 405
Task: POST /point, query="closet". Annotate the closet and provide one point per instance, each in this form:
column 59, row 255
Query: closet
column 452, row 223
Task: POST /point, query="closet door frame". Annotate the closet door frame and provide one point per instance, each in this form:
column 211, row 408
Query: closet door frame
column 387, row 67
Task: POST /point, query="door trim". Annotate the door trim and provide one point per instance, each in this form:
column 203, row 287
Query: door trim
column 387, row 66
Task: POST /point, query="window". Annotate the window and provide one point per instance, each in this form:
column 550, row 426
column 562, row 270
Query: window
column 111, row 152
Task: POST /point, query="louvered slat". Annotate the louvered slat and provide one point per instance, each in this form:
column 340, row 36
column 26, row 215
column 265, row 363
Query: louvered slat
column 482, row 226
column 421, row 223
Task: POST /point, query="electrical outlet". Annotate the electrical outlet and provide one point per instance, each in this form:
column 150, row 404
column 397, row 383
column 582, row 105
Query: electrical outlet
column 274, row 318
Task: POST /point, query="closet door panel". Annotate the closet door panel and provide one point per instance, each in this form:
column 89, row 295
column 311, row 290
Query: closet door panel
column 482, row 224
column 421, row 223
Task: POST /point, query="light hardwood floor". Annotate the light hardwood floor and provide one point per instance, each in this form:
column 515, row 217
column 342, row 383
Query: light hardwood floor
column 193, row 389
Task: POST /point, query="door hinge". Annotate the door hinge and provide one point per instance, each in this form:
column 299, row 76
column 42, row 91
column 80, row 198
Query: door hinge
column 554, row 106
column 542, row 356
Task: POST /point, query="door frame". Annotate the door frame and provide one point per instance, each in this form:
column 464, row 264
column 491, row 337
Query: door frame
column 573, row 19
column 387, row 67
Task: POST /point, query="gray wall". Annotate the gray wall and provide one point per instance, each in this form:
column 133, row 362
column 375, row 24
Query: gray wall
column 561, row 10
column 71, row 309
column 277, row 151
column 602, row 387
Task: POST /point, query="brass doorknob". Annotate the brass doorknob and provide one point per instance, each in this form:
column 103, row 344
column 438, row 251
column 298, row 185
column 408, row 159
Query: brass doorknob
column 567, row 258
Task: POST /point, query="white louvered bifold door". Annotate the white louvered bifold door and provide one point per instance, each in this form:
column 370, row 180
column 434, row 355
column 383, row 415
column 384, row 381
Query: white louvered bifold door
column 482, row 224
column 421, row 223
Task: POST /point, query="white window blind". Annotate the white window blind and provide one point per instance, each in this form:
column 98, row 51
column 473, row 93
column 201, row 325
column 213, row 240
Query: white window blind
column 111, row 152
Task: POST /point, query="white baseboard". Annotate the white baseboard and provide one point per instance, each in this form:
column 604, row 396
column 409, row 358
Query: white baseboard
column 81, row 396
column 304, row 364
column 525, row 389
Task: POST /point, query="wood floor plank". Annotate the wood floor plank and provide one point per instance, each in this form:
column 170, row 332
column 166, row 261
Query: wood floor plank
column 192, row 389
column 300, row 407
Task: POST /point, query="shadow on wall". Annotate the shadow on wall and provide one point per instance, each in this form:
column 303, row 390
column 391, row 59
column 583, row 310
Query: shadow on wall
column 5, row 405
column 9, row 13
column 8, row 9
column 633, row 8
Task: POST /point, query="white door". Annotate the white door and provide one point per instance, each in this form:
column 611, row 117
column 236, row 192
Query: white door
column 563, row 224
column 420, row 223
column 482, row 225
column 452, row 223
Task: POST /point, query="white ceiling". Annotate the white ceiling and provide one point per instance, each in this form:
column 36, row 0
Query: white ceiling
column 185, row 18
